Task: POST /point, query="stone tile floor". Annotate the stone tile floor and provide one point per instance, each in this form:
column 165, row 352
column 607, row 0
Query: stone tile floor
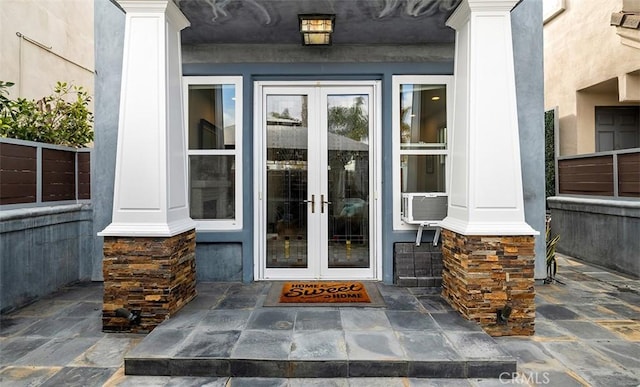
column 587, row 334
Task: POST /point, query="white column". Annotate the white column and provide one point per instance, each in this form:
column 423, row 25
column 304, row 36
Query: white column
column 485, row 195
column 150, row 193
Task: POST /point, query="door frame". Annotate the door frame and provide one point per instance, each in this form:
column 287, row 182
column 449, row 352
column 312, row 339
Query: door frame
column 259, row 195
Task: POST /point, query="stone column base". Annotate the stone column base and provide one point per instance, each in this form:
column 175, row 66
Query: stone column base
column 154, row 277
column 490, row 279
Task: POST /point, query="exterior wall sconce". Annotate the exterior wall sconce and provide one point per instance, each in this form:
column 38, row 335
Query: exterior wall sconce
column 316, row 29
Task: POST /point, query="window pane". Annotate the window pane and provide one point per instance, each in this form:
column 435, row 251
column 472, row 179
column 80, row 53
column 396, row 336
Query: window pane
column 212, row 187
column 423, row 116
column 212, row 117
column 422, row 173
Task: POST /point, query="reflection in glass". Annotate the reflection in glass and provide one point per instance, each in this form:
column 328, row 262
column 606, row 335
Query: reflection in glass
column 212, row 117
column 212, row 185
column 287, row 157
column 423, row 116
column 422, row 173
column 348, row 181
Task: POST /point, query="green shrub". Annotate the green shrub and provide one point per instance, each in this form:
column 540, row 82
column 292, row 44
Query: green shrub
column 62, row 118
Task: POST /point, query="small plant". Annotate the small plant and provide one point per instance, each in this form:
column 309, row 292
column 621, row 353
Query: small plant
column 552, row 264
column 62, row 118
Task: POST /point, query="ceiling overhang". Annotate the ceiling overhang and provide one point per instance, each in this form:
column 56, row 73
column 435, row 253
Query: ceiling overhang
column 358, row 22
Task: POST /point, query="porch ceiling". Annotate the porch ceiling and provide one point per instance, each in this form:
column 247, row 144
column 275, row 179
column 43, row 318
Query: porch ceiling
column 357, row 21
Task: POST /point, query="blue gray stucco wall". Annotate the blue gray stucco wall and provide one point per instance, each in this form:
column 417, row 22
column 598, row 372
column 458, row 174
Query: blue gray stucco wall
column 526, row 24
column 229, row 255
column 109, row 40
column 42, row 249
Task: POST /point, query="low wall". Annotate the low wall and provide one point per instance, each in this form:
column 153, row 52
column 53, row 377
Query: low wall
column 41, row 250
column 599, row 231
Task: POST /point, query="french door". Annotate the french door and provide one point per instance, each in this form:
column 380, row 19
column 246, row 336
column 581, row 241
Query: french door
column 316, row 180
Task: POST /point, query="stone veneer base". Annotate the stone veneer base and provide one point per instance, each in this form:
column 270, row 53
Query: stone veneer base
column 483, row 274
column 151, row 275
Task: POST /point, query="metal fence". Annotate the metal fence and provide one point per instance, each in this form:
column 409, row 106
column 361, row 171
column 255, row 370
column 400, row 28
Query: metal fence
column 35, row 174
column 613, row 173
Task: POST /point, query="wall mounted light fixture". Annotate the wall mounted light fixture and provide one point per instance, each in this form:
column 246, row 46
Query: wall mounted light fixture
column 316, row 29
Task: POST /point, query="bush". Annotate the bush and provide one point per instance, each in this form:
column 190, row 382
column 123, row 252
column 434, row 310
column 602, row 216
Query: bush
column 52, row 119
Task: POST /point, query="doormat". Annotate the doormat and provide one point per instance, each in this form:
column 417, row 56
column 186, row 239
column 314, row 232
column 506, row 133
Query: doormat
column 324, row 293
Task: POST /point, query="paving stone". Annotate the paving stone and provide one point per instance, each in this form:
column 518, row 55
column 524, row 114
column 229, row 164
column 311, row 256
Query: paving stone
column 14, row 348
column 586, row 330
column 536, row 377
column 196, row 382
column 26, row 376
column 225, row 320
column 528, row 353
column 427, row 346
column 435, row 304
column 280, row 319
column 108, row 352
column 373, row 368
column 57, row 352
column 319, row 369
column 549, row 329
column 618, row 379
column 372, row 345
column 624, row 310
column 437, row 382
column 164, row 343
column 183, row 320
column 200, row 367
column 259, row 369
column 592, row 311
column 626, row 329
column 256, row 344
column 438, row 369
column 305, row 382
column 60, row 327
column 80, row 377
column 318, row 320
column 410, row 321
column 202, row 343
column 475, row 345
column 377, row 382
column 258, row 382
column 453, row 321
column 555, row 312
column 580, row 358
column 402, row 302
column 14, row 325
column 318, row 345
column 625, row 353
column 364, row 319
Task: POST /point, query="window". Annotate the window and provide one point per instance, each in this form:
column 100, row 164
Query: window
column 421, row 116
column 214, row 138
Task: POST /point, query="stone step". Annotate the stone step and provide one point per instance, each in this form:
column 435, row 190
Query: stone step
column 489, row 368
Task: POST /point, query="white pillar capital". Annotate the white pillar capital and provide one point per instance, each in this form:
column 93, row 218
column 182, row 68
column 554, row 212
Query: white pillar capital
column 485, row 193
column 150, row 188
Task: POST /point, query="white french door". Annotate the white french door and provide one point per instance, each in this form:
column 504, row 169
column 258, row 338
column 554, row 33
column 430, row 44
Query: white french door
column 316, row 180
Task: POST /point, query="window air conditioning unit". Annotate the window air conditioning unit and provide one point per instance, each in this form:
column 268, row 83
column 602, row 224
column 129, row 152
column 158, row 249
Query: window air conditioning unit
column 424, row 207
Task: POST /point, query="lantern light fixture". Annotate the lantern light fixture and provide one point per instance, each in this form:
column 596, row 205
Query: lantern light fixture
column 316, row 29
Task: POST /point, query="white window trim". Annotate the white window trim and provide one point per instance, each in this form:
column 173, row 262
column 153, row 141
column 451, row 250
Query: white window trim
column 219, row 224
column 397, row 80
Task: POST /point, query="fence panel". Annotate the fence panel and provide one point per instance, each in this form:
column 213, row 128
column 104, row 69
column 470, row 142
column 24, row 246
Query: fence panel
column 629, row 174
column 33, row 173
column 591, row 175
column 18, row 174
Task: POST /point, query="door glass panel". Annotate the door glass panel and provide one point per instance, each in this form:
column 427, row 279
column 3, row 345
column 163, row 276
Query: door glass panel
column 287, row 177
column 348, row 181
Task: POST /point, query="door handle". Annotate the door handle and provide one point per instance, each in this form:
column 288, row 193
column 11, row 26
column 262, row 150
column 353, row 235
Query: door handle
column 313, row 203
column 322, row 203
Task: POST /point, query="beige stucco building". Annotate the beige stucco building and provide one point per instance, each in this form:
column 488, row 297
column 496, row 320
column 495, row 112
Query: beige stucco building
column 592, row 69
column 46, row 41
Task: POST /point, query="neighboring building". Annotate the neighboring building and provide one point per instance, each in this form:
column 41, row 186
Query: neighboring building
column 45, row 214
column 592, row 74
column 46, row 41
column 267, row 159
column 592, row 81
